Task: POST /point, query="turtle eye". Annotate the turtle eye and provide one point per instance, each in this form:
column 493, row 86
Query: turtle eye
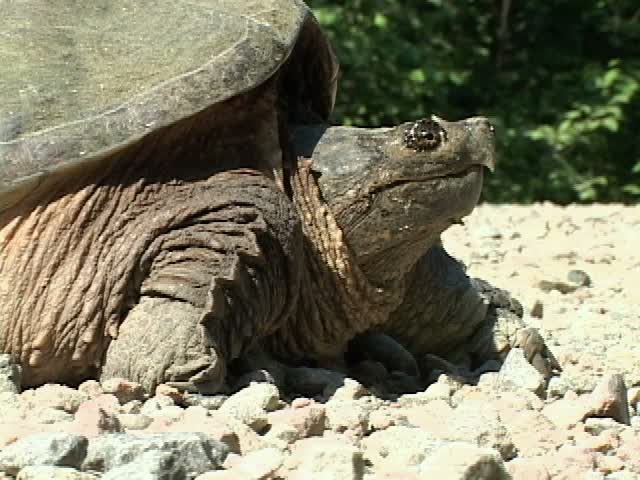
column 424, row 135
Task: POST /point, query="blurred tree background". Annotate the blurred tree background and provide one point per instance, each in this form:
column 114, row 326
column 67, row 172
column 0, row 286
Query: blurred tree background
column 559, row 79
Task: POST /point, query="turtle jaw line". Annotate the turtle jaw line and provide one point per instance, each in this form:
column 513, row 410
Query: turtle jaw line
column 460, row 173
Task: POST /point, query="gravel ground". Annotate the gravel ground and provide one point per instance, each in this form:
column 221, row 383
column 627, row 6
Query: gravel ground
column 576, row 271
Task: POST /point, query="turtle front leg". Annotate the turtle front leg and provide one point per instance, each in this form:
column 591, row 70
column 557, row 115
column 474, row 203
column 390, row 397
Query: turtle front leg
column 222, row 273
column 460, row 322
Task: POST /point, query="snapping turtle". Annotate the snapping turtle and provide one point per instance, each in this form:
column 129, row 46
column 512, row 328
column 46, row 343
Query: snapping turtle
column 171, row 197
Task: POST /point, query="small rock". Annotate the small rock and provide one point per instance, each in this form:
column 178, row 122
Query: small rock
column 551, row 285
column 210, row 402
column 173, row 413
column 399, row 446
column 464, row 461
column 53, row 473
column 479, row 423
column 236, row 434
column 517, row 371
column 325, row 459
column 301, row 402
column 350, row 390
column 596, row 426
column 384, row 418
column 557, row 387
column 92, row 420
column 260, row 464
column 307, row 421
column 193, row 452
column 91, row 388
column 176, row 395
column 134, row 406
column 50, row 415
column 281, row 435
column 55, row 449
column 216, row 429
column 429, row 417
column 10, row 375
column 608, row 464
column 531, row 432
column 11, row 406
column 566, row 412
column 573, row 456
column 55, row 396
column 251, row 404
column 579, row 278
column 345, row 416
column 609, row 399
column 150, row 465
column 435, row 391
column 134, row 421
column 155, row 404
column 124, row 390
column 537, row 309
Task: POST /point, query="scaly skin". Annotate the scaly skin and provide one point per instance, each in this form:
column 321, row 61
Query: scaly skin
column 168, row 265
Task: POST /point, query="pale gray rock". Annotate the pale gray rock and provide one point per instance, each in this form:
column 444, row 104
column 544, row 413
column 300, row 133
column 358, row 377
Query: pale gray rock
column 134, row 406
column 154, row 405
column 53, row 473
column 55, row 449
column 343, row 415
column 55, row 396
column 210, row 402
column 479, row 423
column 10, row 402
column 325, row 459
column 609, row 399
column 517, row 371
column 151, row 465
column 194, row 452
column 50, row 415
column 10, row 375
column 134, row 421
column 464, row 461
column 399, row 446
column 251, row 404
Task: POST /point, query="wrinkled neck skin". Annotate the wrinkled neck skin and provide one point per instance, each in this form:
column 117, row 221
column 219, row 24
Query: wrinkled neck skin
column 392, row 203
column 370, row 208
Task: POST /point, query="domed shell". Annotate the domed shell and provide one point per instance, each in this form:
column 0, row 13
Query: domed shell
column 80, row 80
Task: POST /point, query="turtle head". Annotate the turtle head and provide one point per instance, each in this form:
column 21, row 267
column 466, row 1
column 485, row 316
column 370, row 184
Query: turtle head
column 394, row 190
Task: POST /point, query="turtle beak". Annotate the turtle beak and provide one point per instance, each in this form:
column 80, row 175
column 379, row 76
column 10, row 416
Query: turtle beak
column 484, row 153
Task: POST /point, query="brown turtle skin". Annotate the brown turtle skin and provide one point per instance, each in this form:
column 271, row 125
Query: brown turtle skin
column 168, row 227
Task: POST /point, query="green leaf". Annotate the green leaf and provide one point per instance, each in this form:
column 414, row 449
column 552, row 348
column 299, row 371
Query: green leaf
column 417, row 76
column 380, row 21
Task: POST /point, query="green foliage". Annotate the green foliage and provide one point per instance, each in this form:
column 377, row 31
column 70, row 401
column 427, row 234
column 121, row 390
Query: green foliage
column 560, row 80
